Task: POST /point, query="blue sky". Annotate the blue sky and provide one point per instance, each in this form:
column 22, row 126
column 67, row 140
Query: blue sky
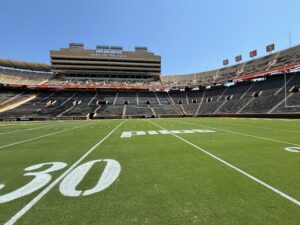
column 190, row 35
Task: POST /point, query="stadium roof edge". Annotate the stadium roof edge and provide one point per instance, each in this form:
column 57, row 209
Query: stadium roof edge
column 235, row 64
column 33, row 66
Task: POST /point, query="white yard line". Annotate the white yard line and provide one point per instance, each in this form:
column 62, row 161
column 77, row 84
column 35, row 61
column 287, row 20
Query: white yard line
column 289, row 198
column 243, row 134
column 35, row 200
column 42, row 136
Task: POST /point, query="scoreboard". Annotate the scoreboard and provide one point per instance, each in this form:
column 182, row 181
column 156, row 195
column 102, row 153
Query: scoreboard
column 238, row 58
column 270, row 48
column 253, row 53
column 225, row 62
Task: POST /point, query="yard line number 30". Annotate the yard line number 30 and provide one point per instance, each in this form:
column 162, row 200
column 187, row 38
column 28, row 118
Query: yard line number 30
column 68, row 185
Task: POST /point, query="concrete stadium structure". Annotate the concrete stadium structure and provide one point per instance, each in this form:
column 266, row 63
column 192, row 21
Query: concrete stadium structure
column 111, row 83
column 105, row 62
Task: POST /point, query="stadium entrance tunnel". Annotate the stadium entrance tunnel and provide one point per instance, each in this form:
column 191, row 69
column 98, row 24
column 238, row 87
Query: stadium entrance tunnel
column 76, row 102
column 194, row 101
column 148, row 116
column 126, row 102
column 50, row 103
column 102, row 102
column 90, row 116
column 228, row 97
column 256, row 94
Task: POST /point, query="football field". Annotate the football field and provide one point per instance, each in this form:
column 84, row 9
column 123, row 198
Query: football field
column 210, row 171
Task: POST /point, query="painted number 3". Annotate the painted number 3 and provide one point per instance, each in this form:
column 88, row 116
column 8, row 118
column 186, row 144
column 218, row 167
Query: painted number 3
column 68, row 185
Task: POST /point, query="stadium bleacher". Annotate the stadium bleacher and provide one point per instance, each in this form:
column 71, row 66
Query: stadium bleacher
column 263, row 97
column 280, row 59
column 22, row 95
column 11, row 76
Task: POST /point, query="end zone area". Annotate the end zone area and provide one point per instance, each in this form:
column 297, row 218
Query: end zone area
column 158, row 175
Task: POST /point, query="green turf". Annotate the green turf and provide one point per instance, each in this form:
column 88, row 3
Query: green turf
column 163, row 180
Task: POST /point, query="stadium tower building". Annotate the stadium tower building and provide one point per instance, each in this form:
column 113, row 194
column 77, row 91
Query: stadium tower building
column 105, row 63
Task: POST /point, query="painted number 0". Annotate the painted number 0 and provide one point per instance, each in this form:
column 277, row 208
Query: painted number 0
column 69, row 183
column 110, row 174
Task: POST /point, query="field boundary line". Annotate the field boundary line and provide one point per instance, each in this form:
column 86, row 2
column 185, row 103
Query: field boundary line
column 239, row 133
column 35, row 200
column 254, row 125
column 289, row 198
column 33, row 128
column 42, row 136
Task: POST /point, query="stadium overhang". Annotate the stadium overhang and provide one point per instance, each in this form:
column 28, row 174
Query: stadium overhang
column 9, row 63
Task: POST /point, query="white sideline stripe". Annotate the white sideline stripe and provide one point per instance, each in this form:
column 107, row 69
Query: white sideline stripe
column 248, row 135
column 291, row 199
column 35, row 200
column 33, row 128
column 255, row 126
column 46, row 135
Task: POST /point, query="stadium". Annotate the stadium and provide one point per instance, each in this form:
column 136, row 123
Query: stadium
column 101, row 136
column 108, row 82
